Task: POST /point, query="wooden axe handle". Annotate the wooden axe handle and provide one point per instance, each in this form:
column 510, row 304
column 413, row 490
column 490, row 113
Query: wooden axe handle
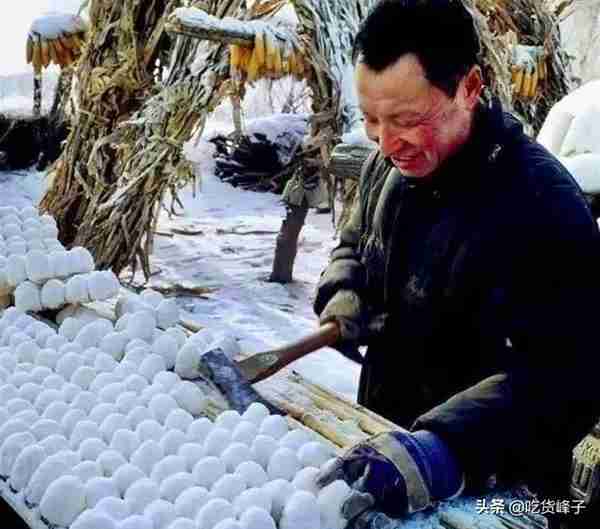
column 263, row 365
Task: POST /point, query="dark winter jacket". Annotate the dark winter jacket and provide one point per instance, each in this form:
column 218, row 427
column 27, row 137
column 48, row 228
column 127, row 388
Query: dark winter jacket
column 488, row 277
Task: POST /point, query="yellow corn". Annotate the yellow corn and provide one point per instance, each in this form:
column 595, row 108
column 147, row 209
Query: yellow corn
column 534, row 83
column 270, row 47
column 52, row 51
column 253, row 66
column 37, row 55
column 234, row 57
column 277, row 62
column 45, row 50
column 526, row 87
column 517, row 79
column 29, row 50
column 259, row 47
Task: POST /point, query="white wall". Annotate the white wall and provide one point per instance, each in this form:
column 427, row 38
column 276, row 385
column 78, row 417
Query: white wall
column 580, row 33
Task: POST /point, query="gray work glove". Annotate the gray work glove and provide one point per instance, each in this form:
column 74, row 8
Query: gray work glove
column 345, row 308
column 357, row 324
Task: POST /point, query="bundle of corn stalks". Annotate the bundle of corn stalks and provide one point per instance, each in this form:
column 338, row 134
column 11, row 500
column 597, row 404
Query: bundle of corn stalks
column 150, row 165
column 523, row 62
column 115, row 75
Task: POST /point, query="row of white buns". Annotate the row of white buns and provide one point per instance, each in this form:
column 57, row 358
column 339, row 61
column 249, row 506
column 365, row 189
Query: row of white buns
column 81, row 288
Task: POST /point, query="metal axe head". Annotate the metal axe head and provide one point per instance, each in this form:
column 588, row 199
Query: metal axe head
column 231, row 382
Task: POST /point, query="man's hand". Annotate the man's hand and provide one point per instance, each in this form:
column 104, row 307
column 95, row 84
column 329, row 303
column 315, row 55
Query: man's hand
column 403, row 473
column 346, row 308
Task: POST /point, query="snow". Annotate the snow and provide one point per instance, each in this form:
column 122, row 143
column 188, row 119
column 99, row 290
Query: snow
column 51, row 25
column 571, row 132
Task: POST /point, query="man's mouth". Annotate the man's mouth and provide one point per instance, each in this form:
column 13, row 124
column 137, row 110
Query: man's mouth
column 402, row 160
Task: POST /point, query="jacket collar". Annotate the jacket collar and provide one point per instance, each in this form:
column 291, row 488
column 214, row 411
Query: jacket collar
column 492, row 129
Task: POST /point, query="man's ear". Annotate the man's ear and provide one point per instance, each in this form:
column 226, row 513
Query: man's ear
column 470, row 87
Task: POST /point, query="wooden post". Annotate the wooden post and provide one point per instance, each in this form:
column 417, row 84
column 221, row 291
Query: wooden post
column 37, row 93
column 287, row 243
column 236, row 104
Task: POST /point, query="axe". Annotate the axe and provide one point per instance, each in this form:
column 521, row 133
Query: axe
column 234, row 379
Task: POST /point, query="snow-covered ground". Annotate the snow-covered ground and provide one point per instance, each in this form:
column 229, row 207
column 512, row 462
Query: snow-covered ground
column 234, row 255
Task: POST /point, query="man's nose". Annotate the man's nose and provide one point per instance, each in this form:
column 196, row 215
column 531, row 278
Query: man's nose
column 388, row 143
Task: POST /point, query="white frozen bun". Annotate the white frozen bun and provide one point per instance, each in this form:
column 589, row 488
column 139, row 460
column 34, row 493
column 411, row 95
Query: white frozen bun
column 28, row 297
column 84, row 259
column 53, row 294
column 102, row 285
column 16, row 270
column 77, row 290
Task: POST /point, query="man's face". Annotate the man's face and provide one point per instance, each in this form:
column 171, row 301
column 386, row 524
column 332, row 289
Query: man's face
column 415, row 124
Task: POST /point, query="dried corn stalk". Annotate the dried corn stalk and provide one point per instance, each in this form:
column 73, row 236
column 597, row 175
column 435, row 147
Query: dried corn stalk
column 149, row 161
column 114, row 76
column 523, row 61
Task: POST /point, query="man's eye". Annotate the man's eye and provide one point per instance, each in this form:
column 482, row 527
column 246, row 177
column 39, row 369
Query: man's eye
column 407, row 123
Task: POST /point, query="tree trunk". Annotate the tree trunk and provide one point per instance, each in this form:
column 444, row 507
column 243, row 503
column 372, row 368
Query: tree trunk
column 287, row 244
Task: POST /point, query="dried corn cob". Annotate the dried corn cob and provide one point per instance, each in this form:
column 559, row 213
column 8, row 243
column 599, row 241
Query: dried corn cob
column 534, row 84
column 45, row 53
column 526, row 88
column 259, row 46
column 517, row 79
column 29, row 50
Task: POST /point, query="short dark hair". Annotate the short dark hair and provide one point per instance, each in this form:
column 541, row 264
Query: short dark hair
column 441, row 33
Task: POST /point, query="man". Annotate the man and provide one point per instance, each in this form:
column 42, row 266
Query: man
column 469, row 268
